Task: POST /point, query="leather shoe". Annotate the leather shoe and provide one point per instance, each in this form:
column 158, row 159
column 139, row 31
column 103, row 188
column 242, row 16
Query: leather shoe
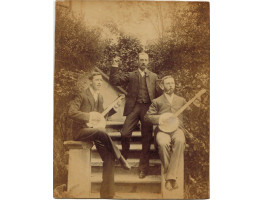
column 168, row 185
column 142, row 174
column 124, row 163
column 174, row 184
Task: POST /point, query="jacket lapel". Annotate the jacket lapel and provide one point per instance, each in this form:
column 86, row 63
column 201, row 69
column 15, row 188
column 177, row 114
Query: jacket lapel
column 136, row 79
column 90, row 98
column 176, row 105
column 148, row 82
column 100, row 102
column 136, row 72
column 165, row 100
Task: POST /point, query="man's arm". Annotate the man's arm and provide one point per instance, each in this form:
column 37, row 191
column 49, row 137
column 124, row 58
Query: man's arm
column 75, row 113
column 115, row 77
column 152, row 114
column 158, row 90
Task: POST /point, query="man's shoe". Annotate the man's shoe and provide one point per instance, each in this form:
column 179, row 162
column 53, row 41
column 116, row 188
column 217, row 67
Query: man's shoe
column 168, row 185
column 174, row 184
column 142, row 174
column 124, row 163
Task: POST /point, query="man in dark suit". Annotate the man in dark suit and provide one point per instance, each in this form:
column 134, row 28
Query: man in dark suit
column 170, row 145
column 81, row 110
column 142, row 88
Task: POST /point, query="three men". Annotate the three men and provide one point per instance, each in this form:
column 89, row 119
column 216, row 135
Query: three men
column 142, row 89
column 170, row 145
column 81, row 110
column 142, row 86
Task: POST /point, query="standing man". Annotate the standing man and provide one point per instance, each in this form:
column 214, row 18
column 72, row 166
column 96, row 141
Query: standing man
column 80, row 110
column 170, row 145
column 142, row 85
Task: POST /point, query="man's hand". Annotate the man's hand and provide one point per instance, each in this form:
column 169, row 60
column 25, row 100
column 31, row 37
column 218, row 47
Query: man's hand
column 166, row 118
column 95, row 116
column 197, row 102
column 118, row 104
column 116, row 61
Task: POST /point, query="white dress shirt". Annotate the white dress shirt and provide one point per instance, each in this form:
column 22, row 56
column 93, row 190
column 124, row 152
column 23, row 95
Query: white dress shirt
column 142, row 72
column 95, row 94
column 169, row 98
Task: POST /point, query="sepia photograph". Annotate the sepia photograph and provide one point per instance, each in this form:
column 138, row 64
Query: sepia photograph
column 131, row 100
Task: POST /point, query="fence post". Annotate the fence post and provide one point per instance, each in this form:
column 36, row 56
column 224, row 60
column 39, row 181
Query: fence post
column 79, row 169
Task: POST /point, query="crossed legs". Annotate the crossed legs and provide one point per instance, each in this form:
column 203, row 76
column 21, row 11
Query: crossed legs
column 108, row 152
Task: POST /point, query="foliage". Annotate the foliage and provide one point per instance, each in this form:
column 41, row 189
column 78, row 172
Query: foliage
column 77, row 47
column 127, row 48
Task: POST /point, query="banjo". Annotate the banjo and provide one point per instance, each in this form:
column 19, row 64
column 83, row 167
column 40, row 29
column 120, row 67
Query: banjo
column 171, row 122
column 97, row 120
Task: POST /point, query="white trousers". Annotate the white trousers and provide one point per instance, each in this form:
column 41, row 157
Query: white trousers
column 171, row 151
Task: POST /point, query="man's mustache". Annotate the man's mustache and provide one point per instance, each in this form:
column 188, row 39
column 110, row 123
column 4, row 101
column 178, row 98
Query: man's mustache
column 169, row 90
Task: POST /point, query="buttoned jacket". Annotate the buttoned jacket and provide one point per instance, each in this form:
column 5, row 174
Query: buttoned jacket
column 132, row 79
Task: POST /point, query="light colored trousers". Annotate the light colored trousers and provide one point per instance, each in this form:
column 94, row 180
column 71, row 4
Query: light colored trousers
column 171, row 151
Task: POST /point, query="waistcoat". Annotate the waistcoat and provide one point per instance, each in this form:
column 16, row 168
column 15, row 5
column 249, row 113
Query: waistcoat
column 143, row 95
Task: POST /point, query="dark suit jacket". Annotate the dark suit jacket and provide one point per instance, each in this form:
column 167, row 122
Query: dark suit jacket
column 80, row 108
column 132, row 78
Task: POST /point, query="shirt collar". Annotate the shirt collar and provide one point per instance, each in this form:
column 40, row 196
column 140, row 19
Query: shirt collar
column 94, row 94
column 143, row 72
column 169, row 98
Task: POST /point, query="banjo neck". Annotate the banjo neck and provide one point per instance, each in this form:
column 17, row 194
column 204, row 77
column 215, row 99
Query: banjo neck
column 172, row 122
column 189, row 102
column 112, row 105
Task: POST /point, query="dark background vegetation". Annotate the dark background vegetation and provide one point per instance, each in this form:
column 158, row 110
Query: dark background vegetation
column 182, row 50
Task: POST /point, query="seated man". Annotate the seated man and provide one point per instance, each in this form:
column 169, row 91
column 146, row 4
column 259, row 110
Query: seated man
column 80, row 111
column 170, row 145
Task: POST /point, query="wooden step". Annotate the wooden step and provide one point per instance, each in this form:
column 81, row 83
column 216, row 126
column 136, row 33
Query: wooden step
column 113, row 123
column 132, row 154
column 133, row 147
column 134, row 162
column 131, row 195
column 118, row 134
column 131, row 188
column 152, row 170
column 127, row 178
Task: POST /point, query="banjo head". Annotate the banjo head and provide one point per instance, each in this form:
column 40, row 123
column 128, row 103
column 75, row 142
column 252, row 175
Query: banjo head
column 170, row 124
column 97, row 122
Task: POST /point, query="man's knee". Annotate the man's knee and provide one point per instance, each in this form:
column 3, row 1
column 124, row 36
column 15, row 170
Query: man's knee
column 179, row 137
column 101, row 133
column 162, row 140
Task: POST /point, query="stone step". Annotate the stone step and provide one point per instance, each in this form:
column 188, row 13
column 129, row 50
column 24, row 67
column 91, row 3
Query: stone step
column 119, row 195
column 128, row 178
